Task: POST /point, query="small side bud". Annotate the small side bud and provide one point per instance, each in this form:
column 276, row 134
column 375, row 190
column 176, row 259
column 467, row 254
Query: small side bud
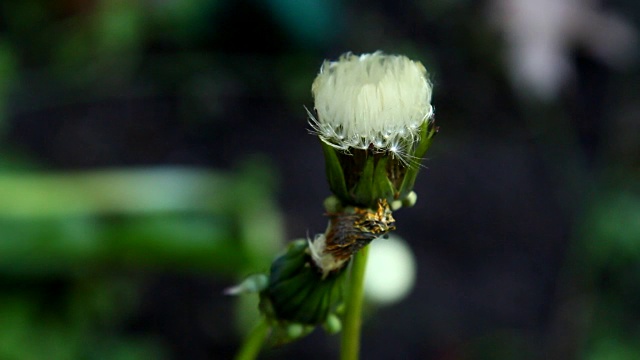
column 396, row 205
column 410, row 200
column 295, row 330
column 332, row 204
column 333, row 325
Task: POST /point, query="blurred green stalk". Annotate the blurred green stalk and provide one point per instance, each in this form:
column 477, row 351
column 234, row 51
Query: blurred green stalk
column 350, row 345
column 155, row 217
column 253, row 343
column 135, row 191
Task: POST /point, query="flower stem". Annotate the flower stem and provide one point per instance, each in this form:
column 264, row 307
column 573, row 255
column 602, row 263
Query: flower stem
column 350, row 347
column 253, row 343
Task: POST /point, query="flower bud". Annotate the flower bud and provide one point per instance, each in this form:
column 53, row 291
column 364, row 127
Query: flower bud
column 298, row 291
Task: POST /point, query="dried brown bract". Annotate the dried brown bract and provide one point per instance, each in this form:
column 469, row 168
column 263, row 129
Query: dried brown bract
column 350, row 231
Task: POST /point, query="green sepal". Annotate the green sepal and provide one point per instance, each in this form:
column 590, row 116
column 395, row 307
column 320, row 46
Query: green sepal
column 382, row 186
column 293, row 301
column 315, row 308
column 335, row 175
column 426, row 134
column 288, row 264
column 362, row 192
column 291, row 290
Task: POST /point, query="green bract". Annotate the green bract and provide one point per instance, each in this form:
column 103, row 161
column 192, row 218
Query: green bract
column 361, row 177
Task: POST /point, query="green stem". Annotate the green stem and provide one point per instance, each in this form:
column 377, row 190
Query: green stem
column 253, row 343
column 350, row 347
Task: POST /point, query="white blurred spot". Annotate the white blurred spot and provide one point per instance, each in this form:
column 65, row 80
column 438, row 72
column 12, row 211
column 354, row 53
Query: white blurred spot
column 391, row 271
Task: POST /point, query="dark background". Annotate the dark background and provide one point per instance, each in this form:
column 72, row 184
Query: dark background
column 526, row 230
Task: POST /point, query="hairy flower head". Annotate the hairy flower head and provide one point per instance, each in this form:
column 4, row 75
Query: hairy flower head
column 372, row 101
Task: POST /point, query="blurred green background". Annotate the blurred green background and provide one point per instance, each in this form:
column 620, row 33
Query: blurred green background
column 155, row 152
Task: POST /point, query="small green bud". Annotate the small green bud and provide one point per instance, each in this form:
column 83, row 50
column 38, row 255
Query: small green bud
column 295, row 330
column 332, row 204
column 396, row 205
column 333, row 325
column 410, row 200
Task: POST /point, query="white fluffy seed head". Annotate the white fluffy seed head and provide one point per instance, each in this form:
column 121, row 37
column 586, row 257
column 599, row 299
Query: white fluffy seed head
column 370, row 100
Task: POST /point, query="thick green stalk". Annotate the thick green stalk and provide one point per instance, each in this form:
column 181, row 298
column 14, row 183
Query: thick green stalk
column 253, row 343
column 350, row 347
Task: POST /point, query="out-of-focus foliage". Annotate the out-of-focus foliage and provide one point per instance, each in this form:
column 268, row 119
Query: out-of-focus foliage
column 85, row 236
column 190, row 218
column 116, row 117
column 614, row 229
column 78, row 247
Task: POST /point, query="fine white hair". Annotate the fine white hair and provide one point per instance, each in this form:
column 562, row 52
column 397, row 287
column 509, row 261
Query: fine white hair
column 372, row 100
column 324, row 260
